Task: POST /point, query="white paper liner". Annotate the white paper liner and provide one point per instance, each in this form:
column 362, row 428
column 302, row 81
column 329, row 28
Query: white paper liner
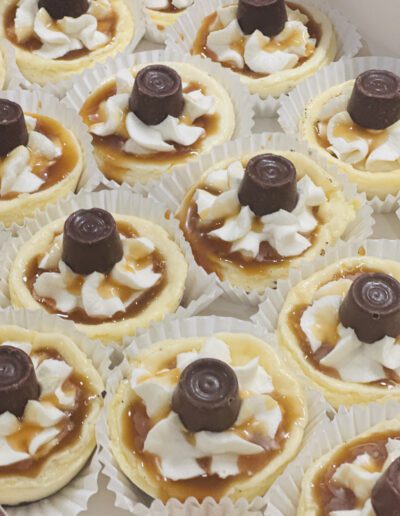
column 181, row 36
column 85, row 84
column 14, row 78
column 73, row 498
column 268, row 312
column 130, row 498
column 292, row 105
column 284, row 494
column 172, row 189
column 48, row 105
column 201, row 289
column 60, row 88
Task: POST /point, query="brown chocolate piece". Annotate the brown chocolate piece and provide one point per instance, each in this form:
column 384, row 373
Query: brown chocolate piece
column 385, row 496
column 267, row 16
column 58, row 9
column 375, row 100
column 18, row 382
column 13, row 131
column 207, row 396
column 157, row 93
column 91, row 241
column 269, row 184
column 372, row 307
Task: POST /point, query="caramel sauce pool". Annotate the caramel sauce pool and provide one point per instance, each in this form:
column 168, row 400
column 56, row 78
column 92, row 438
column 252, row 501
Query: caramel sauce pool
column 329, row 494
column 71, row 426
column 211, row 252
column 200, row 43
column 330, row 337
column 107, row 290
column 107, row 26
column 136, row 425
column 110, row 147
column 59, row 168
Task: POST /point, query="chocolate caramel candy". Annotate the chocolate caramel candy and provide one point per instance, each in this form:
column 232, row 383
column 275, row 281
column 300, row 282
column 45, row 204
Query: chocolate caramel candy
column 267, row 16
column 13, row 131
column 91, row 241
column 375, row 100
column 207, row 396
column 18, row 382
column 157, row 93
column 372, row 307
column 60, row 8
column 385, row 496
column 269, row 184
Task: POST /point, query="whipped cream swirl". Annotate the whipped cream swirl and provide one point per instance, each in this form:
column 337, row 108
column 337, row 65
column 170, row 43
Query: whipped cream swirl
column 261, row 54
column 160, row 5
column 59, row 37
column 149, row 139
column 355, row 361
column 97, row 294
column 375, row 151
column 178, row 460
column 283, row 230
column 16, row 169
column 42, row 414
column 360, row 477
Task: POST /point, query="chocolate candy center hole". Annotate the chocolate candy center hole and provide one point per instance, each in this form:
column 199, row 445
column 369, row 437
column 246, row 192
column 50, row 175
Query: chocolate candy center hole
column 159, row 82
column 8, row 373
column 379, row 294
column 379, row 84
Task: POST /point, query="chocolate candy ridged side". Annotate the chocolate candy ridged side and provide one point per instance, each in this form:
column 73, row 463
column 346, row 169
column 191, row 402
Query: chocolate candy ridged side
column 375, row 99
column 18, row 382
column 372, row 307
column 269, row 184
column 157, row 93
column 58, row 9
column 385, row 496
column 13, row 131
column 207, row 396
column 267, row 16
column 91, row 241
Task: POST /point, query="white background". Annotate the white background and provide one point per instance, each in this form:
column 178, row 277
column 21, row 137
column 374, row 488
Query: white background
column 379, row 23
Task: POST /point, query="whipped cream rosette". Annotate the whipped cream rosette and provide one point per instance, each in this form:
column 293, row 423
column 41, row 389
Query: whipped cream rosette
column 160, row 14
column 251, row 209
column 152, row 111
column 271, row 46
column 110, row 262
column 349, row 466
column 45, row 155
column 350, row 112
column 52, row 395
column 192, row 379
column 54, row 39
column 337, row 321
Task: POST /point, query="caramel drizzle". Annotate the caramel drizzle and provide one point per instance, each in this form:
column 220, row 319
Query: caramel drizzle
column 169, row 9
column 107, row 26
column 71, row 425
column 327, row 332
column 200, row 43
column 54, row 171
column 108, row 289
column 328, row 493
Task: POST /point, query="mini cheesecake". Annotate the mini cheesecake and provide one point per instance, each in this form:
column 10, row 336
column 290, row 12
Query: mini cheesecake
column 149, row 119
column 54, row 39
column 356, row 125
column 230, row 411
column 252, row 218
column 341, row 328
column 271, row 45
column 163, row 13
column 360, row 477
column 50, row 399
column 41, row 161
column 109, row 274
